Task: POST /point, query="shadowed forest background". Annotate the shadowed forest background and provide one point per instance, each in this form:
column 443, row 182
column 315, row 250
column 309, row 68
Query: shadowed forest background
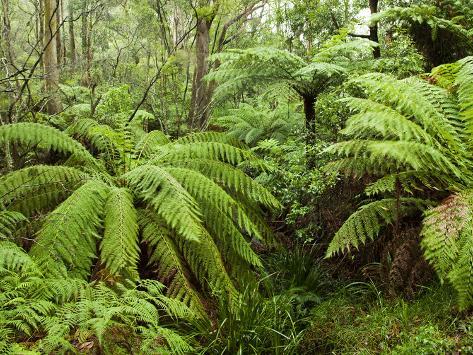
column 236, row 177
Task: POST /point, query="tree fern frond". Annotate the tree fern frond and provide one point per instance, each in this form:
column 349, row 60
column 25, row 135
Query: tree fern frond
column 203, row 150
column 229, row 236
column 395, row 155
column 206, row 191
column 35, row 134
column 14, row 258
column 31, row 189
column 90, row 130
column 410, row 182
column 377, row 119
column 168, row 198
column 231, row 178
column 9, row 220
column 166, row 256
column 205, row 137
column 405, row 97
column 69, row 233
column 464, row 84
column 119, row 249
column 447, row 243
column 366, row 223
column 148, row 143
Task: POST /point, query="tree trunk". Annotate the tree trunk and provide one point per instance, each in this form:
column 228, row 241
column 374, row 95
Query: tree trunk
column 87, row 54
column 72, row 38
column 51, row 69
column 84, row 28
column 309, row 112
column 200, row 98
column 374, row 29
column 58, row 34
column 41, row 29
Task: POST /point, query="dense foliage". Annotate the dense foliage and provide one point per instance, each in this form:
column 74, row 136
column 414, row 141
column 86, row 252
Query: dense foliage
column 241, row 177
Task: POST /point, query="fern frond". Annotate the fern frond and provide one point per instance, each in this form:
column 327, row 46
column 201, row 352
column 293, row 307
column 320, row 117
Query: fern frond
column 365, row 224
column 394, row 156
column 464, row 86
column 205, row 190
column 150, row 142
column 448, row 245
column 168, row 198
column 14, row 258
column 377, row 119
column 91, row 131
column 119, row 249
column 231, row 178
column 406, row 97
column 203, row 150
column 166, row 256
column 69, row 233
column 45, row 137
column 34, row 188
column 8, row 222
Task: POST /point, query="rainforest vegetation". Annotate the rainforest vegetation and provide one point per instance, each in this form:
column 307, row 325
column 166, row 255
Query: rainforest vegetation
column 236, row 177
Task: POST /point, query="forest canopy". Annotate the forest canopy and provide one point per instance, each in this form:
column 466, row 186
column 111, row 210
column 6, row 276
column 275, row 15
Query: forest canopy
column 236, row 176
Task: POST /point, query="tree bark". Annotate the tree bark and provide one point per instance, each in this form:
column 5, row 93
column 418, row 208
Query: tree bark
column 200, row 99
column 58, row 34
column 51, row 69
column 374, row 29
column 41, row 29
column 202, row 91
column 72, row 38
column 87, row 53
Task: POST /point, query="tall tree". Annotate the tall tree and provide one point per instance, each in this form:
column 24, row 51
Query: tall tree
column 51, row 69
column 72, row 38
column 374, row 28
column 206, row 15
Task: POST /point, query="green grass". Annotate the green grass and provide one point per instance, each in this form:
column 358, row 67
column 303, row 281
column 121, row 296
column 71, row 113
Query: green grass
column 358, row 320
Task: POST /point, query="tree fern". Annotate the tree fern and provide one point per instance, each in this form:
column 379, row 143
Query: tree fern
column 260, row 67
column 182, row 189
column 417, row 138
column 252, row 123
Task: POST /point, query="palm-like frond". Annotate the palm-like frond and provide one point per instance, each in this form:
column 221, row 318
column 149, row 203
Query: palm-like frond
column 365, row 224
column 119, row 249
column 36, row 135
column 250, row 124
column 171, row 201
column 182, row 189
column 69, row 234
column 35, row 188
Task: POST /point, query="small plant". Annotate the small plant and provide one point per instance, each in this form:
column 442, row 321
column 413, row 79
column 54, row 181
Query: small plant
column 256, row 325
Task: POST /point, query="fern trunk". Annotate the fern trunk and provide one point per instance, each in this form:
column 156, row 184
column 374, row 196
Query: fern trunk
column 309, row 112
